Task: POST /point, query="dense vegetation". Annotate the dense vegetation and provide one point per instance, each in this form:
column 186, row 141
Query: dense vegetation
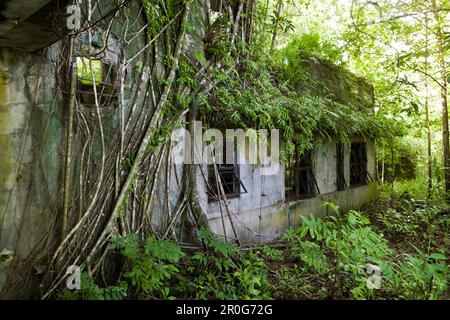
column 321, row 259
column 399, row 47
column 251, row 73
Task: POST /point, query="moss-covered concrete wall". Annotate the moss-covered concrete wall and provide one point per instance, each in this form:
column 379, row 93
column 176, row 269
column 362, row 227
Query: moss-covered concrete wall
column 33, row 125
column 321, row 78
column 30, row 139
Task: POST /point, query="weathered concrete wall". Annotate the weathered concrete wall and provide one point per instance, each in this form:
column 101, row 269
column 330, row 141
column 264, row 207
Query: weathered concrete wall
column 30, row 138
column 32, row 134
column 264, row 193
column 262, row 214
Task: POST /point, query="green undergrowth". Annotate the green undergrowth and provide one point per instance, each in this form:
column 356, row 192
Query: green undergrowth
column 397, row 253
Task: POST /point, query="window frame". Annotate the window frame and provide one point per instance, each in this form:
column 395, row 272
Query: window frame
column 341, row 183
column 300, row 172
column 359, row 174
column 223, row 170
column 107, row 88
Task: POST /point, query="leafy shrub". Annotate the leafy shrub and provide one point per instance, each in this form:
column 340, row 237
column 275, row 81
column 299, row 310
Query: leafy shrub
column 412, row 218
column 152, row 266
column 325, row 258
column 343, row 245
column 271, row 253
column 310, row 45
column 224, row 272
column 313, row 256
column 424, row 276
column 341, row 248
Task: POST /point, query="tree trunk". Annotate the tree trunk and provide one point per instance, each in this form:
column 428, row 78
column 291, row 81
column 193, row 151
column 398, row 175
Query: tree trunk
column 443, row 84
column 275, row 27
column 72, row 79
column 427, row 114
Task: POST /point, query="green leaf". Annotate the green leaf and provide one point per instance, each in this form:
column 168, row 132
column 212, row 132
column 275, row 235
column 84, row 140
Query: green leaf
column 437, row 256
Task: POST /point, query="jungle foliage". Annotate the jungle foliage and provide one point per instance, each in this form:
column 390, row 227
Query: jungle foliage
column 260, row 67
column 336, row 257
column 404, row 234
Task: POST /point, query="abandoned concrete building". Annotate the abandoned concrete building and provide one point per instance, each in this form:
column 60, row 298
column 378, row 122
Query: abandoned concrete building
column 34, row 123
column 266, row 205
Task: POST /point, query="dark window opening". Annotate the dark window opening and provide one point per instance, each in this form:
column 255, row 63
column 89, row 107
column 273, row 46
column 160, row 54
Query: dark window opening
column 300, row 182
column 105, row 76
column 340, row 172
column 216, row 5
column 358, row 165
column 229, row 178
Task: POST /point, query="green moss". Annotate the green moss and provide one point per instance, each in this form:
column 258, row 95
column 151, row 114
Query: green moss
column 318, row 77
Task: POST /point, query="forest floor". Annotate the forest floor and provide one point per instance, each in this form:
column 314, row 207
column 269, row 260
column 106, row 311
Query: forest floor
column 395, row 248
column 416, row 237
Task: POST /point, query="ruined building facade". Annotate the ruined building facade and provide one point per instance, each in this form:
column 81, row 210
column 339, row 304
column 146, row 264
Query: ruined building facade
column 33, row 134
